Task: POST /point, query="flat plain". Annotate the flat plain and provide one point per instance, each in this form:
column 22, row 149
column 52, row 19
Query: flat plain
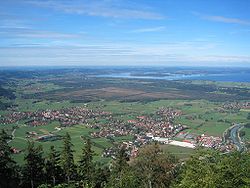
column 203, row 105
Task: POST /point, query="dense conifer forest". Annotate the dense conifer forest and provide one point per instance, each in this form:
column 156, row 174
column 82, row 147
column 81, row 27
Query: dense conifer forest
column 152, row 168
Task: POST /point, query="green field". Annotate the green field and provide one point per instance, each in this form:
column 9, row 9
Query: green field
column 76, row 132
column 179, row 152
column 199, row 101
column 247, row 133
column 205, row 117
column 200, row 116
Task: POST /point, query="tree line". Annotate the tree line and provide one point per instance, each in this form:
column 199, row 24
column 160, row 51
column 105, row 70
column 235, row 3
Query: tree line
column 152, row 168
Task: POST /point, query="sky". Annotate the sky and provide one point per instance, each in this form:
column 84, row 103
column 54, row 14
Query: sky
column 125, row 33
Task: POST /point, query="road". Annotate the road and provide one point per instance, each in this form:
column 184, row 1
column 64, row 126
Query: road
column 13, row 135
column 234, row 136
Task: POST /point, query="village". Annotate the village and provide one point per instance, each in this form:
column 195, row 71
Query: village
column 65, row 116
column 159, row 127
column 235, row 106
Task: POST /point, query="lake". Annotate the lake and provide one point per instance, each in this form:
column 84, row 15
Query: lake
column 225, row 77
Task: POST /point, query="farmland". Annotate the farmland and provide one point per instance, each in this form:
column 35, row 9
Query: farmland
column 207, row 108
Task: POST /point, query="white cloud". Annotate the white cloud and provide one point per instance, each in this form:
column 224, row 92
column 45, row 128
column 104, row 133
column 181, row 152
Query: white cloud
column 217, row 18
column 226, row 20
column 99, row 8
column 188, row 53
column 45, row 34
column 151, row 29
column 25, row 32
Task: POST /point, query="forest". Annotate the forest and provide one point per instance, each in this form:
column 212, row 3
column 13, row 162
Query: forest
column 152, row 168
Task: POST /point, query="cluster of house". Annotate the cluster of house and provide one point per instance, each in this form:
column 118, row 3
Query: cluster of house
column 160, row 126
column 109, row 133
column 112, row 128
column 236, row 105
column 188, row 140
column 168, row 113
column 66, row 116
column 14, row 117
column 130, row 148
column 143, row 128
column 214, row 142
column 209, row 141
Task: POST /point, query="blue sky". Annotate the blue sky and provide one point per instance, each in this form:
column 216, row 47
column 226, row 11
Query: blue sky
column 125, row 32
